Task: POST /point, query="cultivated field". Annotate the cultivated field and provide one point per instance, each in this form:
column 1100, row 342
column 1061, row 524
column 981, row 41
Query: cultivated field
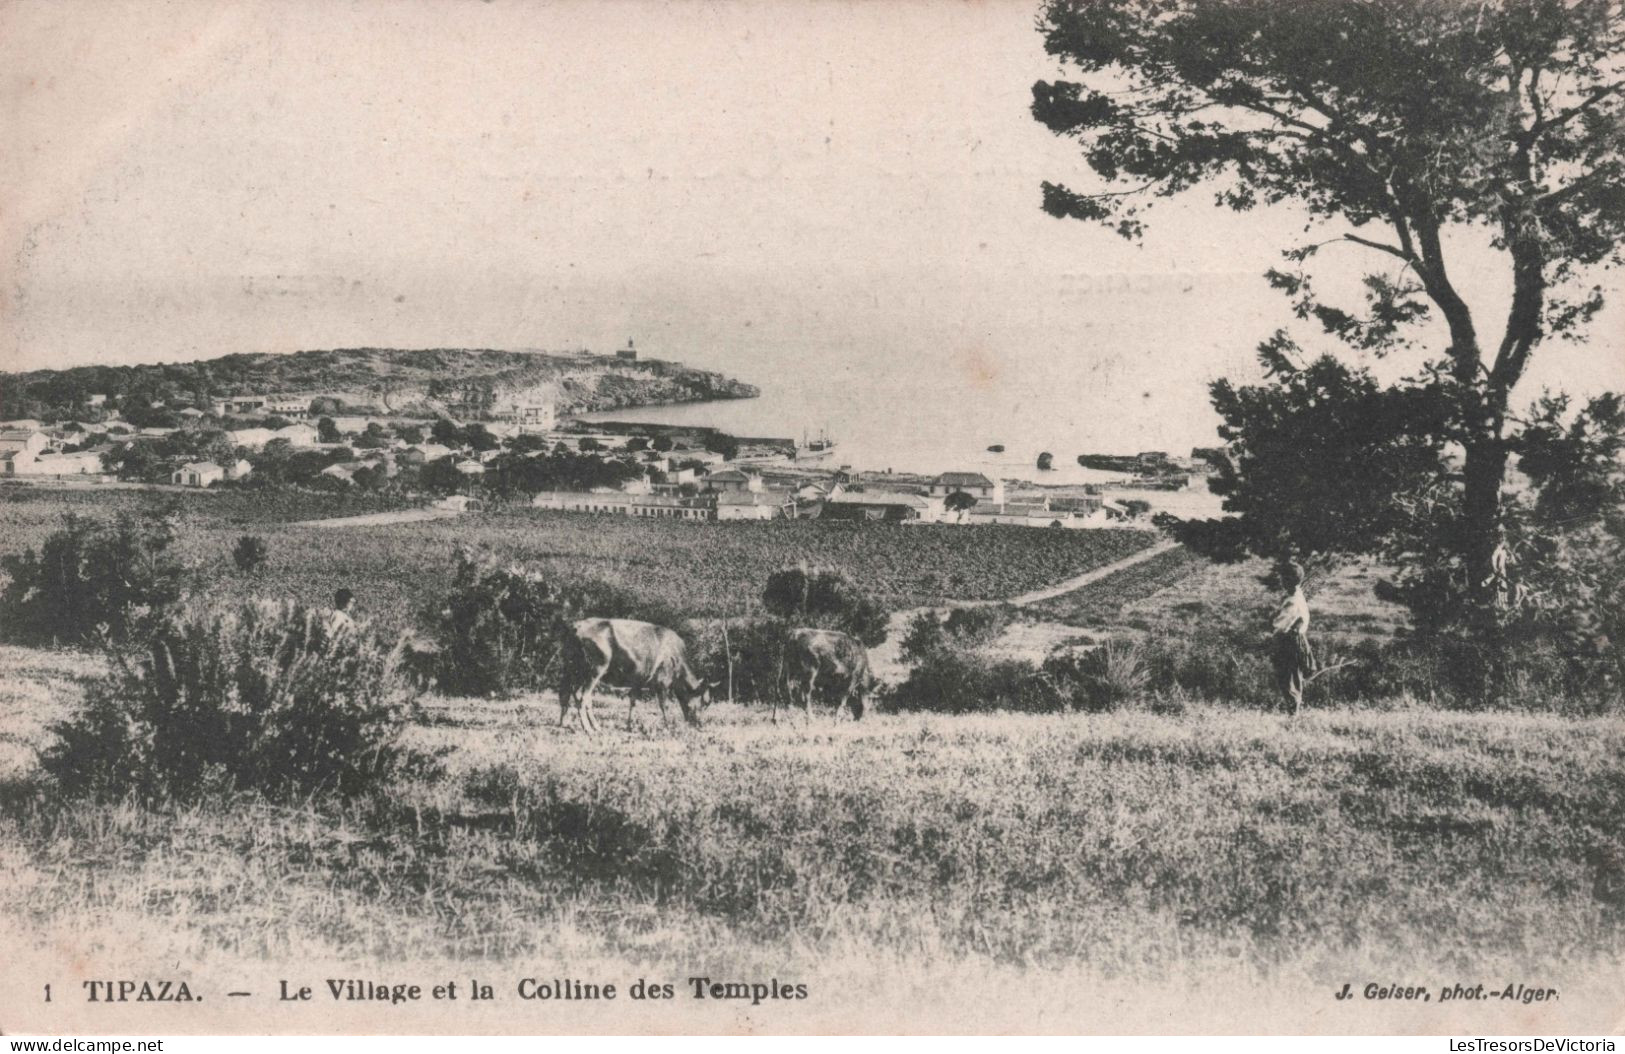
column 29, row 513
column 691, row 570
column 1219, row 850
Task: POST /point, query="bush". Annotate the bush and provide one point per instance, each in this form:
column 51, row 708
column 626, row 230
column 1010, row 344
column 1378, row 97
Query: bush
column 948, row 682
column 249, row 554
column 824, row 599
column 1103, row 678
column 963, row 629
column 92, row 580
column 1226, row 666
column 268, row 697
column 756, row 648
column 497, row 629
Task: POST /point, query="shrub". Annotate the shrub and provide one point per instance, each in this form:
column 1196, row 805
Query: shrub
column 756, row 649
column 1225, row 665
column 949, row 682
column 249, row 554
column 825, row 599
column 268, row 697
column 92, row 579
column 497, row 629
column 964, row 628
column 1102, row 678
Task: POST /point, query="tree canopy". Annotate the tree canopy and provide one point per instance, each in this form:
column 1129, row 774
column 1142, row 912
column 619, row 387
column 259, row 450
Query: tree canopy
column 1390, row 123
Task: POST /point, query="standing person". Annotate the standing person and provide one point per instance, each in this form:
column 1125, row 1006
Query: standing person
column 1289, row 638
column 341, row 621
column 1501, row 584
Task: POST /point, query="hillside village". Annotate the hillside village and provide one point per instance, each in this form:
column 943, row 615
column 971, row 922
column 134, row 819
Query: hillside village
column 517, row 454
column 460, row 429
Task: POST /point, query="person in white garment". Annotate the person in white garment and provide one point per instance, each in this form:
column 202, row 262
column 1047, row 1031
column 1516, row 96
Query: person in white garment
column 341, row 620
column 1290, row 653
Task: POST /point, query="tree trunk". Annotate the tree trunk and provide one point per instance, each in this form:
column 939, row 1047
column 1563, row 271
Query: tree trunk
column 1485, row 393
column 1484, row 471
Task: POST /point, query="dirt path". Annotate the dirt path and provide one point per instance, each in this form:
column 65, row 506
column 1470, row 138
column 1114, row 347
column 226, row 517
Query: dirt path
column 1088, row 577
column 887, row 659
column 376, row 519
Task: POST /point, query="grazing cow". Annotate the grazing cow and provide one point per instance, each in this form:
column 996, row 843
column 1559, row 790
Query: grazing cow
column 827, row 661
column 622, row 653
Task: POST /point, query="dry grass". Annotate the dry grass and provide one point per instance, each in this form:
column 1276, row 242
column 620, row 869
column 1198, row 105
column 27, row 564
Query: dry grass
column 37, row 689
column 1126, row 845
column 1343, row 604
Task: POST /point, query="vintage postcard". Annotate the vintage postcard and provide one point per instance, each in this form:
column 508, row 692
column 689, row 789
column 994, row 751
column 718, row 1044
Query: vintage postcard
column 812, row 516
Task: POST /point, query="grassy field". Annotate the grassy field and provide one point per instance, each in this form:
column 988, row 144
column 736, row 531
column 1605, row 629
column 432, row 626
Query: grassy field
column 695, row 570
column 28, row 513
column 1128, row 848
column 986, row 872
column 1177, row 590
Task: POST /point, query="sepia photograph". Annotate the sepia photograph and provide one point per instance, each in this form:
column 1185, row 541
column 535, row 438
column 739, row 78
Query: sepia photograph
column 812, row 517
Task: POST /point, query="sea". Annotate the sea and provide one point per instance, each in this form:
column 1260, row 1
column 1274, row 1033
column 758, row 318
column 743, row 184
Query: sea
column 906, row 432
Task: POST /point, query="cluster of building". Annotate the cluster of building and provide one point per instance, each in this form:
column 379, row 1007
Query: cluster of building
column 686, row 483
column 28, row 450
column 731, row 493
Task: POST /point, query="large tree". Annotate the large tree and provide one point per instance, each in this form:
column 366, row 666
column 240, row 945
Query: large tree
column 1392, row 123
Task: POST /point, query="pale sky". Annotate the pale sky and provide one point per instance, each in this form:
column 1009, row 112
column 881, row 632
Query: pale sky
column 766, row 188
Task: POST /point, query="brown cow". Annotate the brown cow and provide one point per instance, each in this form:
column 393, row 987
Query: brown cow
column 622, row 653
column 828, row 661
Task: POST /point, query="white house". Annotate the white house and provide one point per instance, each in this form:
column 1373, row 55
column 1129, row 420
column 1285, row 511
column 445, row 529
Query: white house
column 754, row 505
column 1021, row 514
column 197, row 474
column 975, row 484
column 298, row 435
column 82, row 463
column 732, row 479
column 650, row 506
column 288, row 403
column 31, row 440
column 252, row 438
column 811, row 492
column 239, row 404
column 704, row 457
column 882, row 505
